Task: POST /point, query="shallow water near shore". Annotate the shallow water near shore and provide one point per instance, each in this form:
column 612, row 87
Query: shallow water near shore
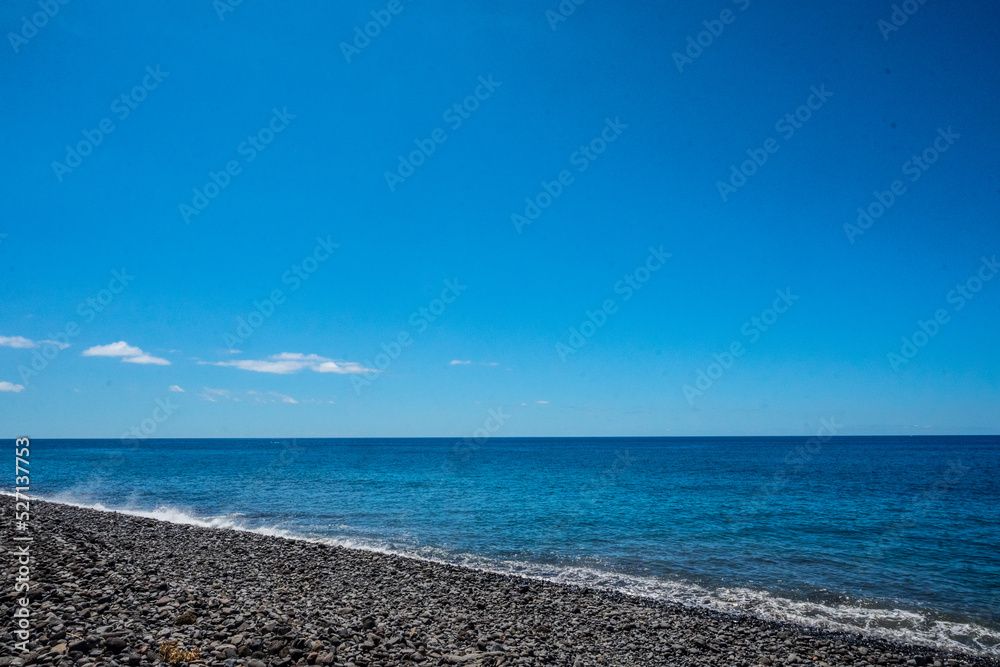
column 898, row 537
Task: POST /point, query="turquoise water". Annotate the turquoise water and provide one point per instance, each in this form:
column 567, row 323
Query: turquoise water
column 896, row 536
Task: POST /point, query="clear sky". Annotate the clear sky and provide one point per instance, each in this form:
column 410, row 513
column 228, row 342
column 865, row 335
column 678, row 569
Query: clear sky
column 564, row 212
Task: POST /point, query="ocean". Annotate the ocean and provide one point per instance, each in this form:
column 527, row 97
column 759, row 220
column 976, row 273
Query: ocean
column 894, row 536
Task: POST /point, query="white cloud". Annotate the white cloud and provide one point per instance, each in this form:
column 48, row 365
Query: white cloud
column 10, row 386
column 22, row 342
column 212, row 395
column 260, row 366
column 542, row 402
column 339, row 367
column 146, row 359
column 215, row 395
column 235, row 351
column 17, row 341
column 286, row 363
column 129, row 353
column 119, row 349
column 174, row 387
column 457, row 362
column 297, row 356
column 271, row 397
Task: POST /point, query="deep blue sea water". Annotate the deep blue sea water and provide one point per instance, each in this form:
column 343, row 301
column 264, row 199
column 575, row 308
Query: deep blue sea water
column 897, row 536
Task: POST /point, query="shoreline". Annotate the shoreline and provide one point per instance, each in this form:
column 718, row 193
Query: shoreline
column 245, row 598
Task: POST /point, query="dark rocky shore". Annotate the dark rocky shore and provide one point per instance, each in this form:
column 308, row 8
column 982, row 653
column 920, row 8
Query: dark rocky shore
column 110, row 589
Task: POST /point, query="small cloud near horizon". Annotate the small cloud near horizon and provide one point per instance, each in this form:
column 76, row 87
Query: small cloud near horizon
column 286, row 363
column 174, row 387
column 271, row 397
column 211, row 395
column 129, row 353
column 21, row 342
column 215, row 395
column 16, row 341
column 146, row 359
column 457, row 362
column 10, row 386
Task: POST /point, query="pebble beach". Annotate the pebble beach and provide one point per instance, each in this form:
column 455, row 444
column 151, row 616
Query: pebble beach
column 114, row 589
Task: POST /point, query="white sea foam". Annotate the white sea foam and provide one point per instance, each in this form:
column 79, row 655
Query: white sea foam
column 172, row 514
column 893, row 624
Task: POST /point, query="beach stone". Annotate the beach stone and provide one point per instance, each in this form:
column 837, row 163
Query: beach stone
column 187, row 618
column 115, row 644
column 81, row 645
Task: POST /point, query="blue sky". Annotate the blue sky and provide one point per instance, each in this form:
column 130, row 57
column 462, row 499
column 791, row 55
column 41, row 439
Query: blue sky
column 562, row 218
